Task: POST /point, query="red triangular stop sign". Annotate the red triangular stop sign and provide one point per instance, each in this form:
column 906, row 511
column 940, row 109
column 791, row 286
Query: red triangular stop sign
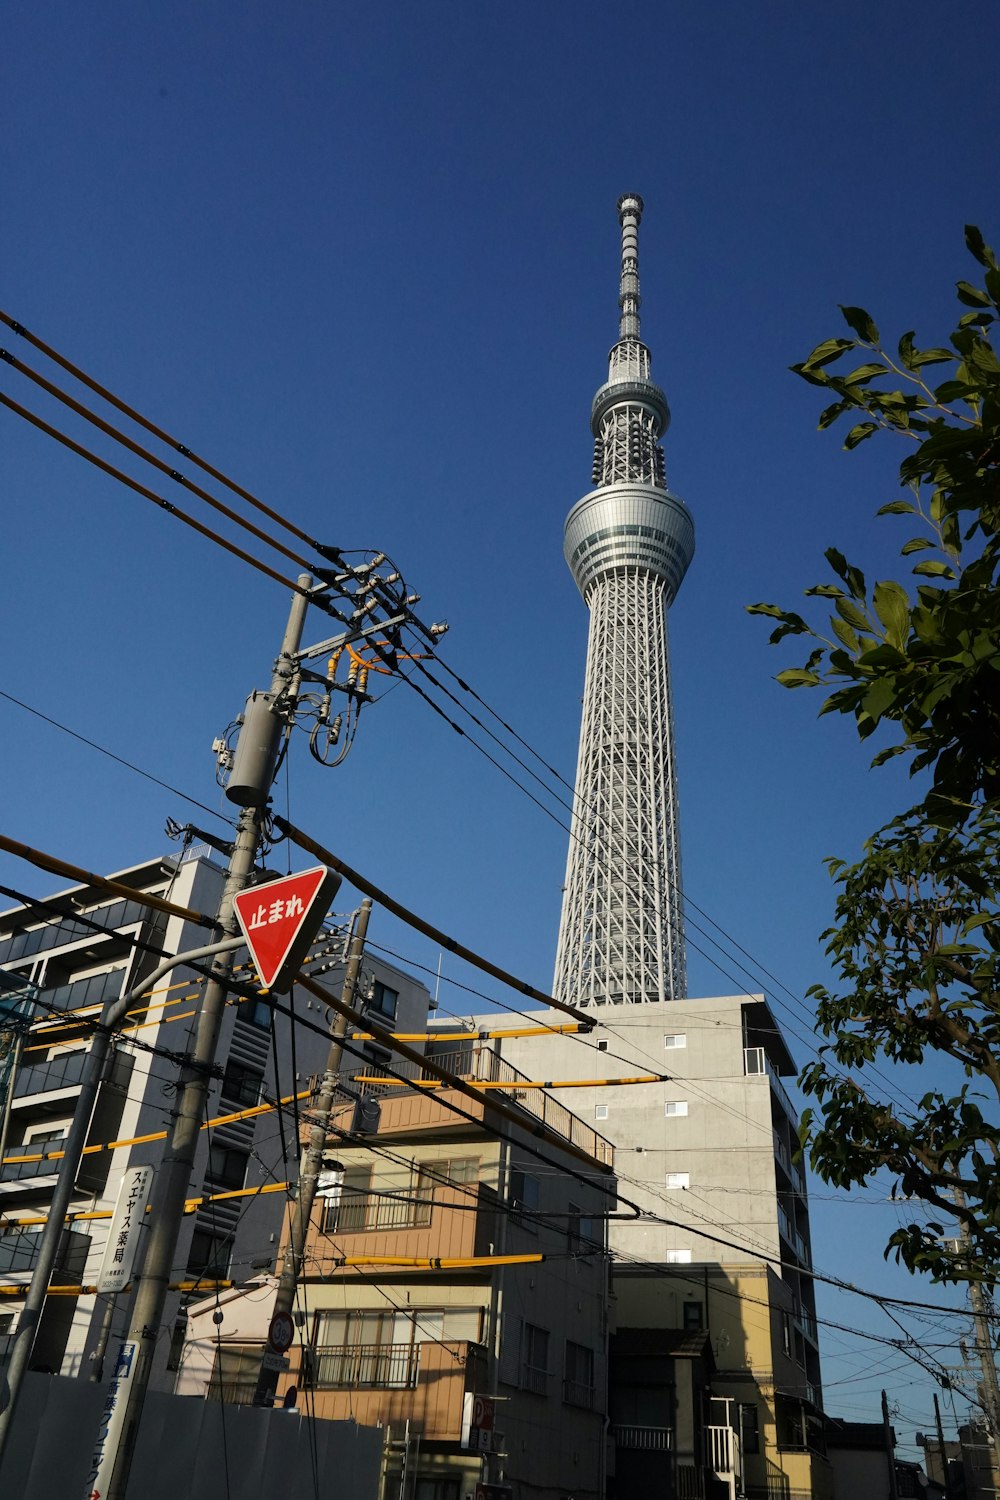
column 280, row 919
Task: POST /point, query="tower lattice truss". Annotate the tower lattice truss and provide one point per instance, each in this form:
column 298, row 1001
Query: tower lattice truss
column 621, row 939
column 628, row 544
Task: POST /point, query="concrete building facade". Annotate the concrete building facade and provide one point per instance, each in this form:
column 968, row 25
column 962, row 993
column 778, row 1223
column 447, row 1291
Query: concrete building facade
column 78, row 947
column 723, row 1242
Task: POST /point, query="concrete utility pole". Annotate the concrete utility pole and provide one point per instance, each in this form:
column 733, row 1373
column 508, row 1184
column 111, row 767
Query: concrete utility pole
column 312, row 1156
column 890, row 1448
column 96, row 1068
column 990, row 1385
column 119, row 1427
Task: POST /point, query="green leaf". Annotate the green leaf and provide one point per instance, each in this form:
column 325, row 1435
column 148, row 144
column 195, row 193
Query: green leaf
column 824, row 354
column 931, row 357
column 897, row 508
column 978, row 246
column 971, row 295
column 829, row 414
column 794, row 677
column 863, row 325
column 893, row 609
column 824, row 591
column 858, row 433
column 934, row 569
column 844, row 633
column 774, row 610
column 852, row 614
column 864, row 373
column 916, row 544
column 906, row 350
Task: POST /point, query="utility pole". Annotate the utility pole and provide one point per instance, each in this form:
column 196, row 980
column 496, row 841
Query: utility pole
column 113, row 1454
column 312, row 1156
column 890, row 1448
column 945, row 1474
column 990, row 1385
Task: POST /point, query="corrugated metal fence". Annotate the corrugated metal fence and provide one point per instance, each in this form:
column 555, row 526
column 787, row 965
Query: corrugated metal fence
column 188, row 1449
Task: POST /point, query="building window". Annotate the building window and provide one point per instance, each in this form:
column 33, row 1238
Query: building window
column 384, row 1000
column 240, row 1084
column 678, row 1257
column 255, row 1013
column 208, row 1258
column 534, row 1358
column 227, row 1168
column 678, row 1179
column 578, row 1382
column 600, row 1112
column 675, row 1039
column 460, row 1172
column 523, row 1191
column 749, row 1430
column 234, row 1376
column 693, row 1316
column 350, row 1209
column 675, row 1107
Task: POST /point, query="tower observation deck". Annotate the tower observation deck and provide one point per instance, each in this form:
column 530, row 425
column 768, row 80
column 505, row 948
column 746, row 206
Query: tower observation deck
column 628, row 544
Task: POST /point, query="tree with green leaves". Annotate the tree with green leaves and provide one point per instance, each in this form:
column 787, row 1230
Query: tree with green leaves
column 915, row 944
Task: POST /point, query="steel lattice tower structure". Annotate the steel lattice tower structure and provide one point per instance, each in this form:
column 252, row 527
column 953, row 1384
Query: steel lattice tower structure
column 628, row 544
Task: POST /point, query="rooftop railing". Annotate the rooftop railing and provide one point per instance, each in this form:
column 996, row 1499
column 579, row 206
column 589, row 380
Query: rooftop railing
column 478, row 1063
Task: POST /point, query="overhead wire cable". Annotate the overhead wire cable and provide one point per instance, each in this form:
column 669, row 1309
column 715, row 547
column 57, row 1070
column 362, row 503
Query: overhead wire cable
column 151, row 495
column 151, row 458
column 151, row 427
column 129, row 765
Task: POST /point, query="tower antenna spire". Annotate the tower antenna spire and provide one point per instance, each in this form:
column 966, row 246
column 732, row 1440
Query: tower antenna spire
column 630, row 207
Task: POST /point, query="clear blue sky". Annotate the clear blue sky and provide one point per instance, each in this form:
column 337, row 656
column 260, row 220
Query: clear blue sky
column 364, row 260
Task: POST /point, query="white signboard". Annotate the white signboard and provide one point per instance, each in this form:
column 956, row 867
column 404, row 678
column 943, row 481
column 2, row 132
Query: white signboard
column 105, row 1452
column 123, row 1237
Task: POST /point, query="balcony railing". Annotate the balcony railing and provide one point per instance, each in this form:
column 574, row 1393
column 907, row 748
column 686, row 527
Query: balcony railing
column 649, row 1439
column 578, row 1393
column 356, row 1366
column 757, row 1062
column 534, row 1379
column 19, row 1252
column 722, row 1450
column 58, row 1073
column 55, row 934
column 382, row 1211
column 479, row 1063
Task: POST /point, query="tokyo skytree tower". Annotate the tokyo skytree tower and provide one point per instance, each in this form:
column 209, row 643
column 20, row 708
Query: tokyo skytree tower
column 628, row 544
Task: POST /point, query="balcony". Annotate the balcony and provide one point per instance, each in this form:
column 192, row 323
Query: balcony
column 367, row 1366
column 722, row 1451
column 57, row 934
column 19, row 1252
column 646, row 1439
column 423, row 1383
column 477, row 1062
column 757, row 1062
column 60, row 1072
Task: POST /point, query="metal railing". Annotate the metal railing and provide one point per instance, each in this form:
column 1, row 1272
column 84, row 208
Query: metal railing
column 649, row 1439
column 534, row 1379
column 477, row 1062
column 355, row 1366
column 19, row 1252
column 378, row 1211
column 578, row 1393
column 722, row 1450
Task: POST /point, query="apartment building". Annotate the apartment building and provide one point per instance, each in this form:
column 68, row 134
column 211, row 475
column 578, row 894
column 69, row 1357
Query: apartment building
column 724, row 1242
column 77, row 948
